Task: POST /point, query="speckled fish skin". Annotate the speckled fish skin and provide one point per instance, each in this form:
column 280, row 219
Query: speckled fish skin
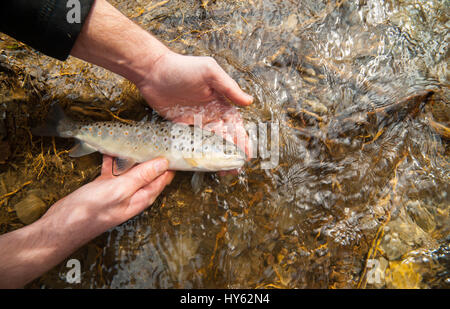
column 187, row 148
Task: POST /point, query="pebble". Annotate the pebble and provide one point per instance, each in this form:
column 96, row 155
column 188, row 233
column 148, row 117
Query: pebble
column 30, row 209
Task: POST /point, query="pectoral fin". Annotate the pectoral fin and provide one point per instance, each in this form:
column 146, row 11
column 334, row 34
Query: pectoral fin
column 81, row 149
column 197, row 181
column 120, row 166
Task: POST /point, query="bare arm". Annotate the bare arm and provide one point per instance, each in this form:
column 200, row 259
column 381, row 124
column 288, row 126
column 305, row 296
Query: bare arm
column 81, row 216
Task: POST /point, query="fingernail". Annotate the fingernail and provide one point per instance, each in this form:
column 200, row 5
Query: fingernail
column 249, row 99
column 161, row 165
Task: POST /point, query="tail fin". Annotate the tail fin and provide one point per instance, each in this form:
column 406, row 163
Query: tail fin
column 55, row 123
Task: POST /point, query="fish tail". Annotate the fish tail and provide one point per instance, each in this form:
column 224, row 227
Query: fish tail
column 56, row 124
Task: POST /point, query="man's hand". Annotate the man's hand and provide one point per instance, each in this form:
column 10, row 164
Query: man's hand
column 79, row 217
column 111, row 200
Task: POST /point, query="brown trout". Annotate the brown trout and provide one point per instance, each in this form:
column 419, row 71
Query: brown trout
column 187, row 148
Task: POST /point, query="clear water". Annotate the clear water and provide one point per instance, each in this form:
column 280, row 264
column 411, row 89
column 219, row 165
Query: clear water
column 360, row 195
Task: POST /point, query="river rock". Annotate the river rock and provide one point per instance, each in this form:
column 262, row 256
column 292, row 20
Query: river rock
column 402, row 235
column 30, row 208
column 421, row 216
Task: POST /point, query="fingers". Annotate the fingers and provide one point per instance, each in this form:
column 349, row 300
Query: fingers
column 144, row 174
column 226, row 86
column 107, row 166
column 145, row 196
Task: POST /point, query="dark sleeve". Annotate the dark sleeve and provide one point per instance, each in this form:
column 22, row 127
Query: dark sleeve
column 50, row 26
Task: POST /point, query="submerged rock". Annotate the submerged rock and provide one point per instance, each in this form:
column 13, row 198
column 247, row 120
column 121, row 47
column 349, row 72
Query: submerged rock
column 421, row 216
column 402, row 236
column 401, row 275
column 30, row 208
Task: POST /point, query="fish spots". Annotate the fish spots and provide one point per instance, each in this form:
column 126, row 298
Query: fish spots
column 110, row 133
column 126, row 133
column 90, row 129
column 99, row 133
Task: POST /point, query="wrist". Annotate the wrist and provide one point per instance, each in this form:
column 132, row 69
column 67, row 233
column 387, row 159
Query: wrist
column 139, row 65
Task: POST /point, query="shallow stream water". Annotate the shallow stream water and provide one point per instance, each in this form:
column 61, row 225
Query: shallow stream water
column 359, row 197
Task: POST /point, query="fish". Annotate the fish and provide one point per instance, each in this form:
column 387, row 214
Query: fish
column 187, row 148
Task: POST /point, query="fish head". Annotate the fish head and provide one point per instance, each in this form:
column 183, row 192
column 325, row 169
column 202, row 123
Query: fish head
column 217, row 154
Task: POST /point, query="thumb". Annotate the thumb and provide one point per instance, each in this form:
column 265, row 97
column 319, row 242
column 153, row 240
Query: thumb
column 144, row 173
column 226, row 86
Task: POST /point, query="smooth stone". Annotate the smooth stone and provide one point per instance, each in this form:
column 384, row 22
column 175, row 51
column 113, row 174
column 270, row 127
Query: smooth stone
column 30, row 209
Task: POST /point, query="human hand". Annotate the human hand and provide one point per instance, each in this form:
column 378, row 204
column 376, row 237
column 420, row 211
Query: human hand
column 111, row 200
column 180, row 87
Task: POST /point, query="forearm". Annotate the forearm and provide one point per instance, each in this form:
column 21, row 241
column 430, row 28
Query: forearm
column 111, row 40
column 29, row 252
